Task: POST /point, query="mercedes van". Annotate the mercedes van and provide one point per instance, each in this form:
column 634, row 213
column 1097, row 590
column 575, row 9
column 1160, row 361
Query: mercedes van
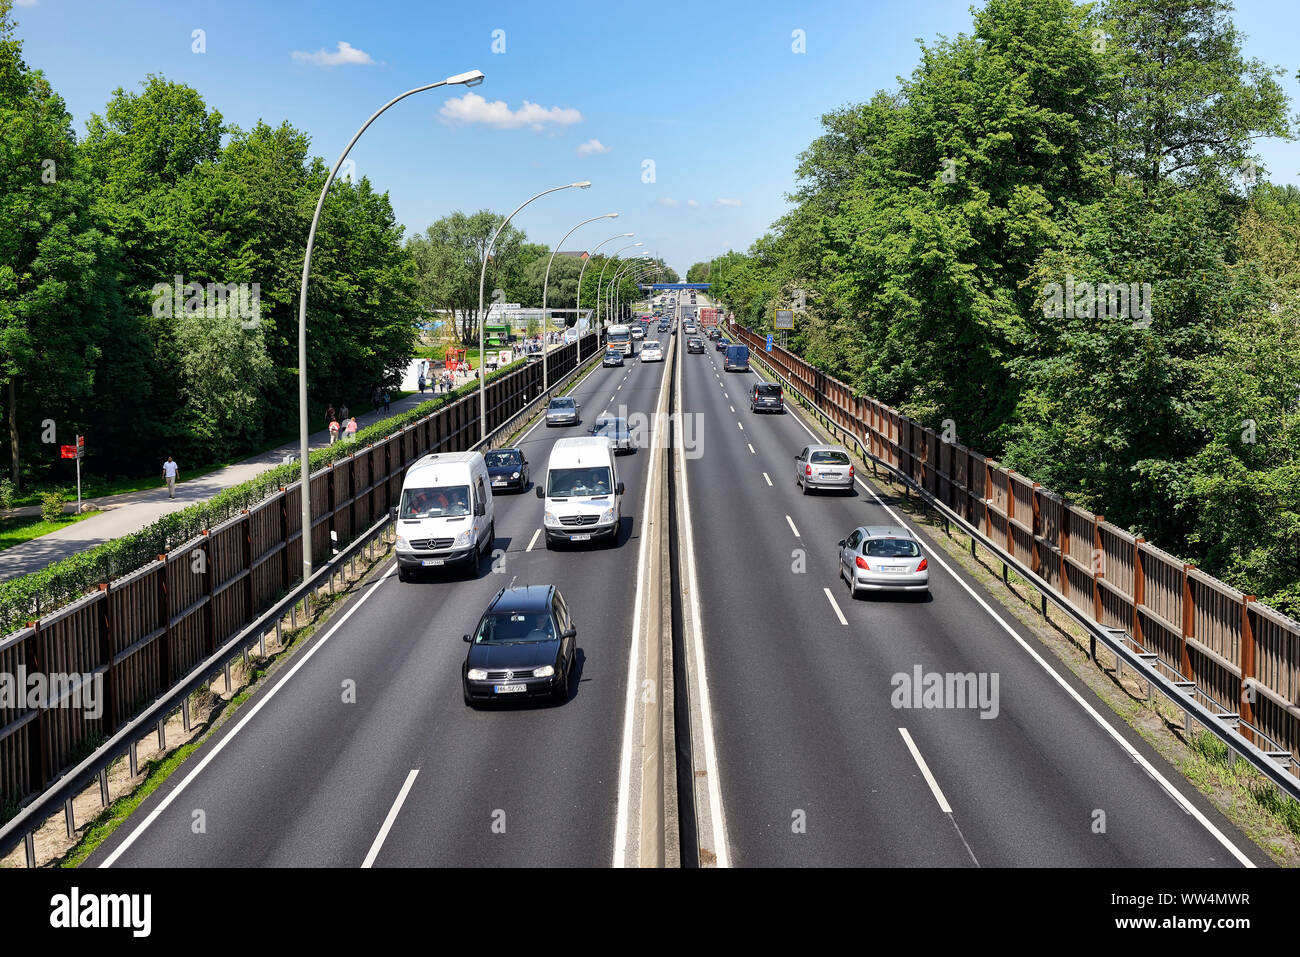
column 582, row 492
column 445, row 515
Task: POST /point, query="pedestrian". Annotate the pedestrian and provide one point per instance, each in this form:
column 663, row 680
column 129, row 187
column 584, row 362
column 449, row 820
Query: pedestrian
column 352, row 428
column 329, row 413
column 374, row 399
column 386, row 400
column 170, row 471
column 334, row 430
column 420, row 383
column 343, row 414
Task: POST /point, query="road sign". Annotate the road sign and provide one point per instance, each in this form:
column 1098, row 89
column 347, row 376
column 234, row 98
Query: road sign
column 81, row 446
column 769, row 342
column 784, row 319
column 68, row 451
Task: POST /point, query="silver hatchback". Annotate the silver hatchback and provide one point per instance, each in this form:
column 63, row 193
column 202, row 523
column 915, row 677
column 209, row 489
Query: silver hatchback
column 823, row 466
column 883, row 558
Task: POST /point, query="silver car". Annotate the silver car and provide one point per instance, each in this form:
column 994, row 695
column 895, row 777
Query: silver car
column 615, row 429
column 823, row 466
column 562, row 411
column 883, row 558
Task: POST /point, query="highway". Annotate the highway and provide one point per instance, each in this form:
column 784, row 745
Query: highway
column 817, row 766
column 814, row 763
column 300, row 778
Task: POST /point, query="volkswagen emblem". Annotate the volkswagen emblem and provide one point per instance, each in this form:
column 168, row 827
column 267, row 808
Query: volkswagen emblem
column 509, row 675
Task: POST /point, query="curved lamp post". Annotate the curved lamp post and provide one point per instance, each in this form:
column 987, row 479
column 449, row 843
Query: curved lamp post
column 636, row 275
column 612, row 288
column 600, row 280
column 482, row 319
column 640, row 276
column 580, row 273
column 545, row 282
column 472, row 78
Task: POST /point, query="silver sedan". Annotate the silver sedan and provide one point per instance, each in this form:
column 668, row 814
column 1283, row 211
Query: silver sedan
column 562, row 411
column 823, row 466
column 616, row 430
column 883, row 558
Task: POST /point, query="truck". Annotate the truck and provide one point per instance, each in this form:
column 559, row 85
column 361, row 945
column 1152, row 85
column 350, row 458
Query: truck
column 708, row 316
column 619, row 337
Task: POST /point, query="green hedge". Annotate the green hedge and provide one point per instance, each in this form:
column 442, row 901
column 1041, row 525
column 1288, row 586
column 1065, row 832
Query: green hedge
column 29, row 596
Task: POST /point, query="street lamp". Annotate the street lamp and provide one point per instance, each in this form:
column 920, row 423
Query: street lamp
column 472, row 78
column 482, row 276
column 613, row 285
column 546, row 281
column 580, row 274
column 601, row 279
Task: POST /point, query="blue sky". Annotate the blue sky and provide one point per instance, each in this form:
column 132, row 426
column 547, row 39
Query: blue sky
column 712, row 93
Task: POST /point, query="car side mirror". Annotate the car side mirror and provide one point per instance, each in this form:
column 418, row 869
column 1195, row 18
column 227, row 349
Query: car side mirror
column 571, row 633
column 842, row 541
column 619, row 490
column 480, row 508
column 392, row 513
column 540, row 493
column 464, row 638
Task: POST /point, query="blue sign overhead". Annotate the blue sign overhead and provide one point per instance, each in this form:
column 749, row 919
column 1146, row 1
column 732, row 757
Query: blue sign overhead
column 769, row 342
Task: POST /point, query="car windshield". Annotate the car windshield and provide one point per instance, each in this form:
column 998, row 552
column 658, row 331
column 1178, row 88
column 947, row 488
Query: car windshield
column 891, row 548
column 829, row 458
column 515, row 628
column 561, row 404
column 773, row 391
column 435, row 502
column 590, row 480
column 501, row 459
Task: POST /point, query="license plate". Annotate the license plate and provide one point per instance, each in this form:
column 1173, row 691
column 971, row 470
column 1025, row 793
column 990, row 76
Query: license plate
column 580, row 537
column 432, row 561
column 896, row 569
column 830, row 475
column 496, row 482
column 508, row 689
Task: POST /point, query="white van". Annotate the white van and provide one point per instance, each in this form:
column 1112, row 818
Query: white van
column 582, row 492
column 445, row 516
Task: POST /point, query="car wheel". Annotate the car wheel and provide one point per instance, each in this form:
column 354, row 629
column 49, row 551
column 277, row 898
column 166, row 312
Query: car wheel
column 805, row 487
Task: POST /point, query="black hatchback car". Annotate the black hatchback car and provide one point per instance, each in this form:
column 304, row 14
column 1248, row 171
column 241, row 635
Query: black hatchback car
column 507, row 468
column 524, row 647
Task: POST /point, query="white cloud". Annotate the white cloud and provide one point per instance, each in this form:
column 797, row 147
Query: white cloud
column 345, row 54
column 593, row 147
column 25, row 3
column 472, row 108
column 723, row 201
column 666, row 201
column 692, row 202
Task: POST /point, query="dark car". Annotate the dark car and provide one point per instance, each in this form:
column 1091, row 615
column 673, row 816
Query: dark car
column 507, row 468
column 663, row 327
column 766, row 397
column 616, row 430
column 524, row 647
column 694, row 344
column 737, row 359
column 612, row 358
column 721, row 344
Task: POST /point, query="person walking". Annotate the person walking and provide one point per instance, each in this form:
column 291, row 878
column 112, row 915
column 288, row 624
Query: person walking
column 329, row 413
column 343, row 413
column 420, row 383
column 352, row 428
column 170, row 471
column 374, row 399
column 387, row 397
column 334, row 430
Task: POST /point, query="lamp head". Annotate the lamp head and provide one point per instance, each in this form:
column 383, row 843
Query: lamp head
column 472, row 78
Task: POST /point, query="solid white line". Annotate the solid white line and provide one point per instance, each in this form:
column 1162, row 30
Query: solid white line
column 792, row 528
column 388, row 821
column 838, row 614
column 925, row 771
column 769, row 481
column 252, row 713
column 621, row 836
column 752, row 452
column 533, row 540
column 1152, row 772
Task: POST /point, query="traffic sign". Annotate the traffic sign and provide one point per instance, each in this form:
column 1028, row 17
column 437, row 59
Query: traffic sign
column 81, row 446
column 784, row 319
column 769, row 342
column 68, row 451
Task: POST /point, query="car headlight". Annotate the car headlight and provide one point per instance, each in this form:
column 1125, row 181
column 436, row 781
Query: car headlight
column 545, row 671
column 550, row 519
column 608, row 516
column 463, row 538
column 515, row 475
column 402, row 543
column 476, row 674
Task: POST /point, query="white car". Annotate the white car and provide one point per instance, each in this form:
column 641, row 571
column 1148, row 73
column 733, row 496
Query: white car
column 652, row 351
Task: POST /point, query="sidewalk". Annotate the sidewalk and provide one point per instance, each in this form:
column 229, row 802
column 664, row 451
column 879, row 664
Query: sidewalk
column 123, row 514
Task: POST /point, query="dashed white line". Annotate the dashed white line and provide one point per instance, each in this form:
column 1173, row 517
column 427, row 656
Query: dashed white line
column 533, row 540
column 925, row 772
column 388, row 821
column 752, row 452
column 741, row 427
column 838, row 614
column 765, row 476
column 792, row 528
column 732, row 408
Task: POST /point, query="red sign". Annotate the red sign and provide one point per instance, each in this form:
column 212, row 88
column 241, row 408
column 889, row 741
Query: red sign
column 81, row 446
column 68, row 451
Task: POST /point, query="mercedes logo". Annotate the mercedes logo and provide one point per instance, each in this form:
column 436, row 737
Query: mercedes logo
column 510, row 674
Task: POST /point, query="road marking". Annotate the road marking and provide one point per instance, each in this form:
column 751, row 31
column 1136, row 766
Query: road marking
column 1133, row 753
column 732, row 407
column 261, row 703
column 925, row 772
column 838, row 614
column 792, row 528
column 741, row 427
column 533, row 540
column 769, row 481
column 752, row 452
column 388, row 821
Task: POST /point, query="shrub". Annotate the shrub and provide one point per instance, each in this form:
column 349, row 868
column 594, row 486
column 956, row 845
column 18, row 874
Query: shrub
column 6, row 494
column 52, row 506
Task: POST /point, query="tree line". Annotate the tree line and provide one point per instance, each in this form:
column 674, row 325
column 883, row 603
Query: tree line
column 1055, row 237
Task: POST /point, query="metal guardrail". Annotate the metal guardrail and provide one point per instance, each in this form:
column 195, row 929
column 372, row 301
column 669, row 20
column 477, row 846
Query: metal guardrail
column 21, row 827
column 1182, row 694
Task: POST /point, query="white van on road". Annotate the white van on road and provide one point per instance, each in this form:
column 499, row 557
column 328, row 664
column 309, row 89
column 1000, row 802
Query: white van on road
column 582, row 492
column 446, row 514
